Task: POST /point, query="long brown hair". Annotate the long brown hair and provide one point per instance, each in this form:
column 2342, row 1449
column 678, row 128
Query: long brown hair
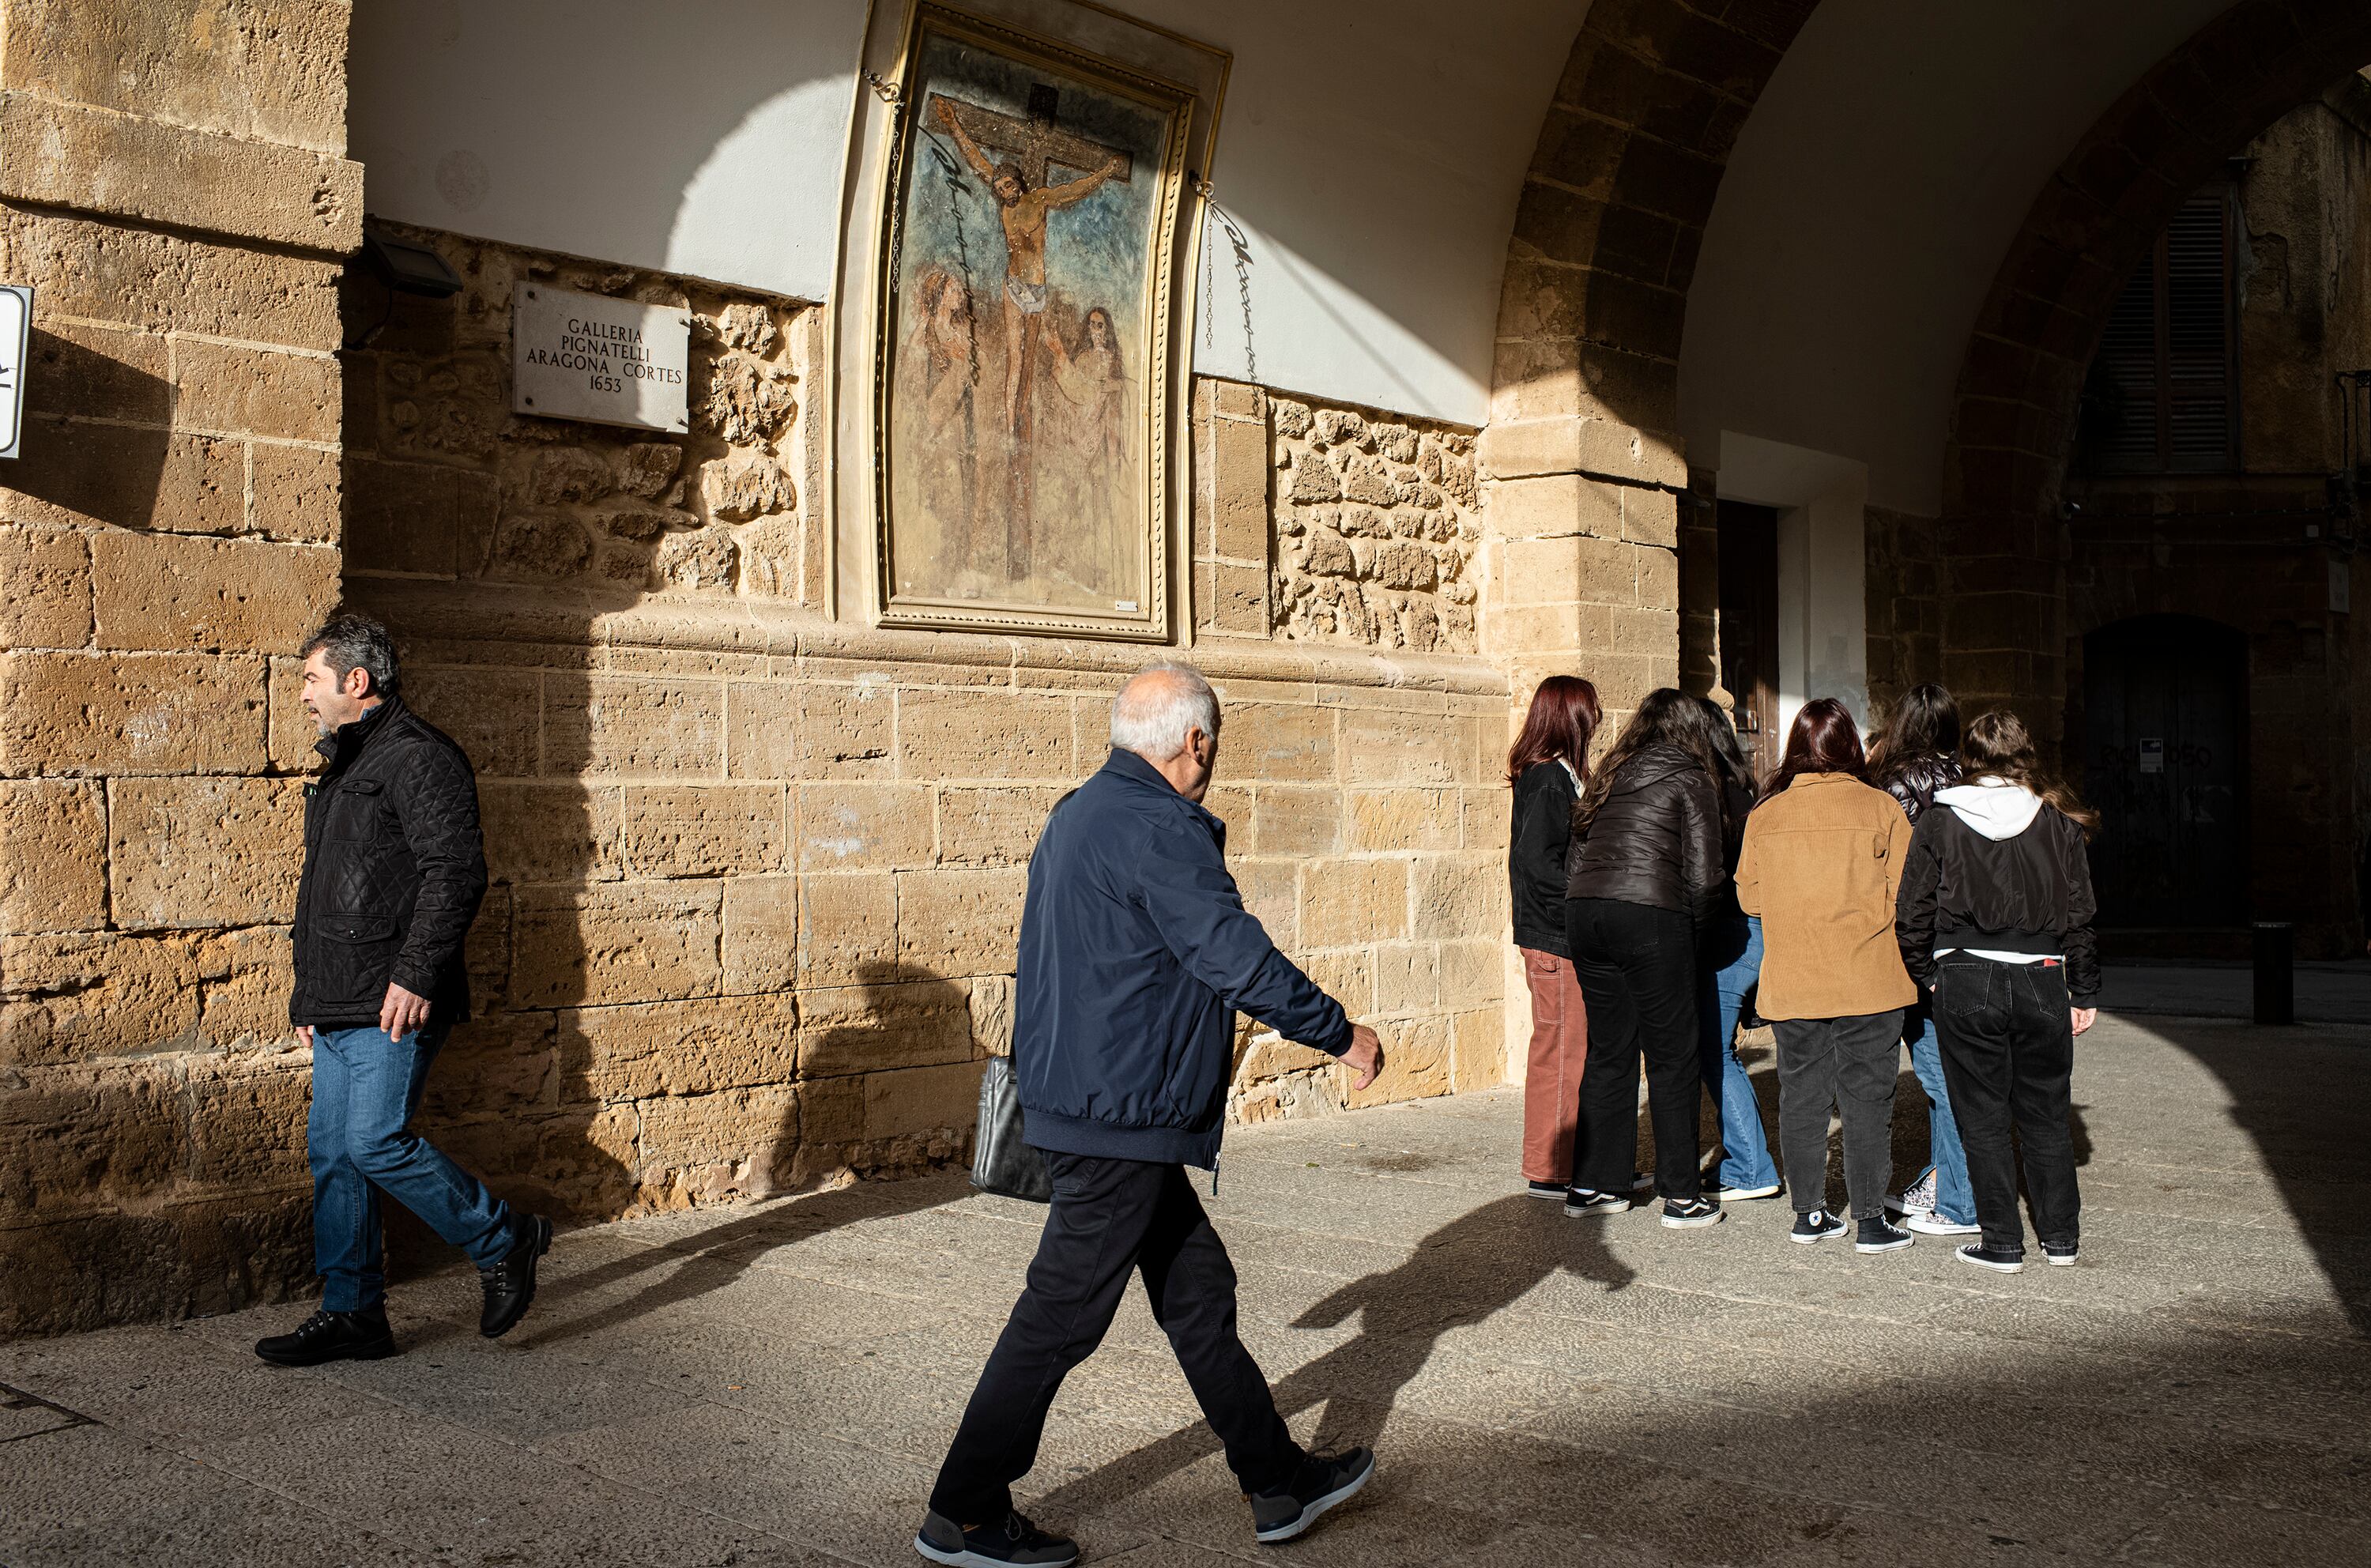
column 1924, row 722
column 1668, row 716
column 1823, row 739
column 1564, row 715
column 1997, row 746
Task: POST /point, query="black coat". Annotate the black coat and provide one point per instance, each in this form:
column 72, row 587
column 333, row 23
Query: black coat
column 1914, row 781
column 2030, row 894
column 395, row 868
column 1656, row 840
column 1542, row 831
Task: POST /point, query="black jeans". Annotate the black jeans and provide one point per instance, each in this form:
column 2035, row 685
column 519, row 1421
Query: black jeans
column 1848, row 1062
column 2008, row 1056
column 1110, row 1217
column 1637, row 970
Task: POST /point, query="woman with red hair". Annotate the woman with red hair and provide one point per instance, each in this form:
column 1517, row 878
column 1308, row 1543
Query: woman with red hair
column 1821, row 864
column 1547, row 768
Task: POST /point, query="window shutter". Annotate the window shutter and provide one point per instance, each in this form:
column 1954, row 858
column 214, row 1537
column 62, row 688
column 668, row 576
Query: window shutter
column 2167, row 369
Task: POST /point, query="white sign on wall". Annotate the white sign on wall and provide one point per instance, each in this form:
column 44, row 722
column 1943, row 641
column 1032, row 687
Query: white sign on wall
column 580, row 356
column 16, row 342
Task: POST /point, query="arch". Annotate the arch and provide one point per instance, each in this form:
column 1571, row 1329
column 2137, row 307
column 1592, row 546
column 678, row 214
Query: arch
column 2013, row 420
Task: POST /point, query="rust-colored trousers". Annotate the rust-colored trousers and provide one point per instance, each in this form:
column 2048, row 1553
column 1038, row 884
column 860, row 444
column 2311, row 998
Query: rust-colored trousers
column 1552, row 1074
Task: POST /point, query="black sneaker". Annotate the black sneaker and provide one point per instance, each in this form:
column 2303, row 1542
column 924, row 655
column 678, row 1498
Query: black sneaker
column 1642, row 1182
column 509, row 1285
column 2000, row 1260
column 1878, row 1234
column 2062, row 1254
column 1689, row 1214
column 1816, row 1224
column 1544, row 1189
column 331, row 1336
column 1721, row 1195
column 1323, row 1480
column 1579, row 1201
column 1013, row 1540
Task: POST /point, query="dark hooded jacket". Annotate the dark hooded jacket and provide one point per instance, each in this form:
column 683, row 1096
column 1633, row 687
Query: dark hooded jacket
column 1995, row 869
column 1657, row 839
column 395, row 868
column 1541, row 832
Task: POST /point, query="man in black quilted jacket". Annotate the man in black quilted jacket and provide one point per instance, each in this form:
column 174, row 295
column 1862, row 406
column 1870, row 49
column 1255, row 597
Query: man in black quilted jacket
column 394, row 870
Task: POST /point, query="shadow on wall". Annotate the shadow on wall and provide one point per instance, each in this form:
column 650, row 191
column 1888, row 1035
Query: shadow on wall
column 115, row 474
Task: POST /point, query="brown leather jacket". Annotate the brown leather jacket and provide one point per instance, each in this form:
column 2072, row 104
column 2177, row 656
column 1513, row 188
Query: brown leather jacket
column 1657, row 839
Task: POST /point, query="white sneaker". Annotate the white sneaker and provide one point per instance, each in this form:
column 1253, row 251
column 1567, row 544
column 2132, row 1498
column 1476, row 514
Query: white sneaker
column 1936, row 1225
column 1916, row 1198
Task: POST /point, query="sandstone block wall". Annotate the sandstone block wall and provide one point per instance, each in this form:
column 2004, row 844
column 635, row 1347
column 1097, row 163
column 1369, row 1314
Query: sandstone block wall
column 176, row 192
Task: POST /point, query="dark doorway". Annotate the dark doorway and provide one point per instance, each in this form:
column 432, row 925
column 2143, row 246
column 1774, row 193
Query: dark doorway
column 1749, row 626
column 2166, row 761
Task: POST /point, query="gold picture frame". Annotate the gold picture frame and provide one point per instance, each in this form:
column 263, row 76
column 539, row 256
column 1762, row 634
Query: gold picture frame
column 1024, row 404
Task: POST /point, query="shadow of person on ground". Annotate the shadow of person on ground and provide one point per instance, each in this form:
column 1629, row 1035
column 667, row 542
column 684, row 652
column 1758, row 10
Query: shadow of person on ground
column 1459, row 1277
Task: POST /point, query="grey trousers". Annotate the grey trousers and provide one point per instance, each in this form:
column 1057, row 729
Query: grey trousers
column 1845, row 1062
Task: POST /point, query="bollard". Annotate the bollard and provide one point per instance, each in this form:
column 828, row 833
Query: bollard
column 2275, row 972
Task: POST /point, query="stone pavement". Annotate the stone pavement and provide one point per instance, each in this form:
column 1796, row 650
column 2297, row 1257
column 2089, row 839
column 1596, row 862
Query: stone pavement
column 772, row 1385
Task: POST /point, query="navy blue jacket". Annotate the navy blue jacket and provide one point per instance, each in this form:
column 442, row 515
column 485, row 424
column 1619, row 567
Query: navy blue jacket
column 1136, row 951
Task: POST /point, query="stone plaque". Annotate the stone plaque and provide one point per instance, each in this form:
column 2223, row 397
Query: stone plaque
column 16, row 335
column 580, row 356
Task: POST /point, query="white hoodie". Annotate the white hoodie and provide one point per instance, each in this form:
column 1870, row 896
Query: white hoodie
column 1999, row 810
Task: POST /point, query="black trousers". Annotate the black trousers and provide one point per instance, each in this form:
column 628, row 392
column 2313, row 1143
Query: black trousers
column 1849, row 1064
column 1637, row 970
column 2009, row 1058
column 1111, row 1217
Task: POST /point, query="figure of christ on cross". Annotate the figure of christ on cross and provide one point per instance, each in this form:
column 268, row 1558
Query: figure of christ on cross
column 1023, row 201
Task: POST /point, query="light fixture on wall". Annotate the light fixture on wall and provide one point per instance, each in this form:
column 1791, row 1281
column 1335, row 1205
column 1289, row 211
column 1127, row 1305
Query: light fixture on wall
column 403, row 267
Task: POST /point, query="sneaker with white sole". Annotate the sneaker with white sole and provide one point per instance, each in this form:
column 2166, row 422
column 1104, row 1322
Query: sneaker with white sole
column 1010, row 1542
column 2061, row 1253
column 1936, row 1225
column 1916, row 1198
column 1578, row 1201
column 1816, row 1224
column 1325, row 1480
column 1878, row 1234
column 1690, row 1213
column 2000, row 1260
column 1721, row 1195
column 1544, row 1189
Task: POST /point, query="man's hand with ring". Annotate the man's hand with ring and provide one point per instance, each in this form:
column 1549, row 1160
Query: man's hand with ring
column 1365, row 1056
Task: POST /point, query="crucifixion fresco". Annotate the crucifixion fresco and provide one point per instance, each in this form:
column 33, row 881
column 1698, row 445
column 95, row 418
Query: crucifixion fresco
column 1033, row 218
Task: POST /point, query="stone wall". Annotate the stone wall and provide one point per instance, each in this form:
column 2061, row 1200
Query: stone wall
column 176, row 191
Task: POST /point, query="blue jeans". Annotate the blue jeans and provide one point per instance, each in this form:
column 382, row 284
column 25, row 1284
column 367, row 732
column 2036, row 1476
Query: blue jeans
column 1731, row 967
column 358, row 1139
column 1954, row 1199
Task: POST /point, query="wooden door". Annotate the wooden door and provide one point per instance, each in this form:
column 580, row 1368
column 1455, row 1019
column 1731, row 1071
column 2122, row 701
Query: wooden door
column 2164, row 716
column 1749, row 627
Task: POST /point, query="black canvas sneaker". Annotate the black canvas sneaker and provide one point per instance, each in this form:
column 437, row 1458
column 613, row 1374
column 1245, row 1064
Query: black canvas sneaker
column 1878, row 1234
column 1690, row 1213
column 1325, row 1480
column 1721, row 1195
column 1544, row 1189
column 1816, row 1224
column 2000, row 1260
column 331, row 1336
column 1010, row 1541
column 2061, row 1253
column 1578, row 1201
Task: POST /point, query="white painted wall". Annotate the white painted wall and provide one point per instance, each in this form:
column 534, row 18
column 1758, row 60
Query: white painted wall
column 1869, row 204
column 1823, row 501
column 1373, row 153
column 706, row 139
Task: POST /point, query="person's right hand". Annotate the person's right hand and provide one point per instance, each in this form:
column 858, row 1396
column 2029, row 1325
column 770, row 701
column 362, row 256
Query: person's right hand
column 304, row 1035
column 1365, row 1056
column 2083, row 1018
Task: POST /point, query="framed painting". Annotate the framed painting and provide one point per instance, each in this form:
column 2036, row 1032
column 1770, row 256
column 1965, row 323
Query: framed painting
column 1022, row 388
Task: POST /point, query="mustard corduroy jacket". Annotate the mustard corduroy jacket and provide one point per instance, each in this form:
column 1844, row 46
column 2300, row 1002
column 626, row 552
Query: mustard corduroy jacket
column 1822, row 865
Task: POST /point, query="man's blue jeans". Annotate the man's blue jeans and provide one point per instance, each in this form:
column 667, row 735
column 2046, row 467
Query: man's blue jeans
column 358, row 1137
column 1954, row 1199
column 1732, row 966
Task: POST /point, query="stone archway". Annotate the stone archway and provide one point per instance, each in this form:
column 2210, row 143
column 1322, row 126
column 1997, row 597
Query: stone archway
column 1583, row 447
column 2013, row 426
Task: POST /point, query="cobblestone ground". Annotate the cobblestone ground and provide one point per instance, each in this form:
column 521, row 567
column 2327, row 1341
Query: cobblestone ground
column 773, row 1385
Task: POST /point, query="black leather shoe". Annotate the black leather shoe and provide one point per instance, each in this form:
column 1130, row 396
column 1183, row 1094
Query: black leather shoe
column 509, row 1285
column 331, row 1336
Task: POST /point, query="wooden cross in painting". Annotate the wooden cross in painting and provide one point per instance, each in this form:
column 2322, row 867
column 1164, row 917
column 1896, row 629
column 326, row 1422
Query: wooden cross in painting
column 1032, row 146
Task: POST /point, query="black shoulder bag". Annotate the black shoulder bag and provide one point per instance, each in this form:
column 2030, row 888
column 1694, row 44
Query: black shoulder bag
column 1000, row 1161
